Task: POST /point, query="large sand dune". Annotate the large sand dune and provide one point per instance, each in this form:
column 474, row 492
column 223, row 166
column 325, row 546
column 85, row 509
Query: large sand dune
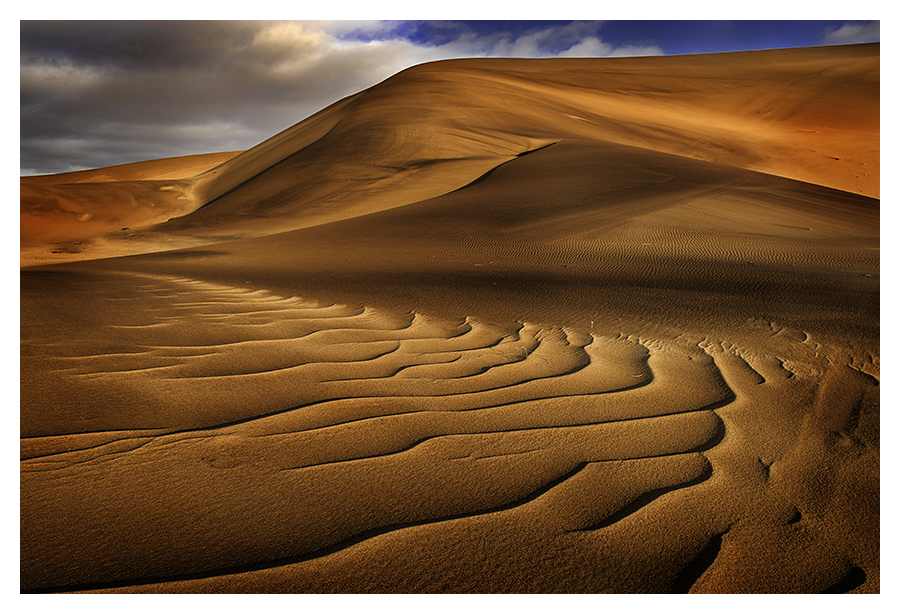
column 600, row 325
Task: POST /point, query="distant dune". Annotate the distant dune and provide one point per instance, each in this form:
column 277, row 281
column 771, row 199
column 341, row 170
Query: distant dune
column 593, row 325
column 60, row 213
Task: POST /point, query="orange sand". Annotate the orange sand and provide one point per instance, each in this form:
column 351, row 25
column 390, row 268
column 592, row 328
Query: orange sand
column 595, row 325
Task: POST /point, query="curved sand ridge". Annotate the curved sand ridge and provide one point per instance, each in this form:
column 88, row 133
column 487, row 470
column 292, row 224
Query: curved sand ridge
column 353, row 431
column 607, row 203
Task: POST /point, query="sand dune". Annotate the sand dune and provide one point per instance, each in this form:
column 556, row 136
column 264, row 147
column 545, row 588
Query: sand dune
column 604, row 325
column 807, row 114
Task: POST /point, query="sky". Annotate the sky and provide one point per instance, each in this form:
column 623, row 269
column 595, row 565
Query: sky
column 99, row 93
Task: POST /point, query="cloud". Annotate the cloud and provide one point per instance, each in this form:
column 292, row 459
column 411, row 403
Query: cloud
column 177, row 88
column 594, row 47
column 849, row 33
column 505, row 39
column 96, row 93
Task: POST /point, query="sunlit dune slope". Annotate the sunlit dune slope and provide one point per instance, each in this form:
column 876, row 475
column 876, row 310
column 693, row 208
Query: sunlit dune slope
column 808, row 114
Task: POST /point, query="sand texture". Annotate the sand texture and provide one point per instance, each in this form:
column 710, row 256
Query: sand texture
column 490, row 326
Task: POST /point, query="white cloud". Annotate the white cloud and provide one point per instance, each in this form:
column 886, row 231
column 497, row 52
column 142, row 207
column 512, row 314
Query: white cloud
column 287, row 41
column 571, row 39
column 853, row 33
column 589, row 47
column 632, row 50
column 594, row 47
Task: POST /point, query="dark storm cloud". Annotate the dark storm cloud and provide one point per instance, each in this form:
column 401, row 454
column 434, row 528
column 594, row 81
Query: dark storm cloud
column 100, row 93
column 91, row 91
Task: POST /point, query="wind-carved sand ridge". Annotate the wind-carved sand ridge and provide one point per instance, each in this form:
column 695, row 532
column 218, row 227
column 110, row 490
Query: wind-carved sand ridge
column 490, row 326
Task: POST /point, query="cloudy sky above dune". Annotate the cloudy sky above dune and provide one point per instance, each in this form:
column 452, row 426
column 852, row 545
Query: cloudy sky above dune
column 98, row 93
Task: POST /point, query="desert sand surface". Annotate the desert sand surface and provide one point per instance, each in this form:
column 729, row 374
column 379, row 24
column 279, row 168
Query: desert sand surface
column 490, row 326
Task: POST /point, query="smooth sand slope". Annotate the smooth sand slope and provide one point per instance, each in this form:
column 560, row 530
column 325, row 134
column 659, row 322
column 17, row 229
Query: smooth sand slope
column 601, row 325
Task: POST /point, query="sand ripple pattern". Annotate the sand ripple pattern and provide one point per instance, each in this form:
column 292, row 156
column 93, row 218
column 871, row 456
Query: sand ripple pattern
column 278, row 431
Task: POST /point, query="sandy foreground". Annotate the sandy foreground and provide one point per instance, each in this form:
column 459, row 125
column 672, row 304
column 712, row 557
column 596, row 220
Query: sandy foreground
column 490, row 326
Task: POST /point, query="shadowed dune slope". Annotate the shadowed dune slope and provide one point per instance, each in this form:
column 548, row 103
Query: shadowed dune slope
column 579, row 217
column 489, row 326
